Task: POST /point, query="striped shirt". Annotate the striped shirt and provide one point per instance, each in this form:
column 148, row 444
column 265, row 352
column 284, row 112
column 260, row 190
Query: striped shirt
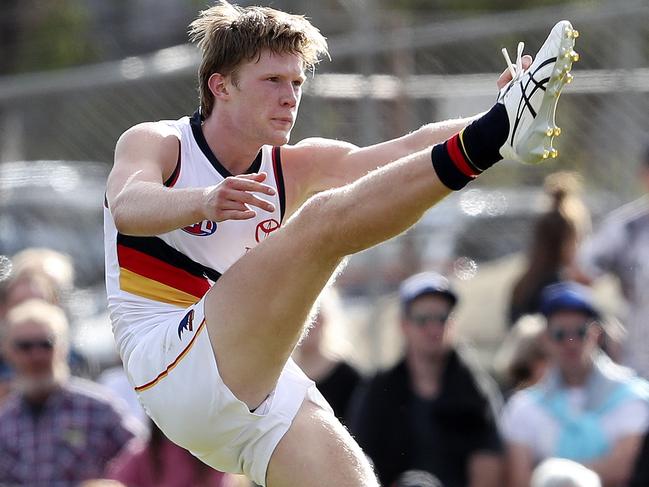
column 67, row 440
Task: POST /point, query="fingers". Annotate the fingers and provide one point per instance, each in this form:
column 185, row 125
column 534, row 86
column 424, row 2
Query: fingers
column 240, row 183
column 238, row 214
column 506, row 75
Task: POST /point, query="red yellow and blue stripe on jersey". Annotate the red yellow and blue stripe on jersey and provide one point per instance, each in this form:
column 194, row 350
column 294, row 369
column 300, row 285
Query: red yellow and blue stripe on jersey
column 152, row 269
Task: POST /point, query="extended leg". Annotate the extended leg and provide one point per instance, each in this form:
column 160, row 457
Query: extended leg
column 256, row 311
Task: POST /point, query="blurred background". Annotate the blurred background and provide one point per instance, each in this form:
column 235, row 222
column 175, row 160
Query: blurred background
column 74, row 74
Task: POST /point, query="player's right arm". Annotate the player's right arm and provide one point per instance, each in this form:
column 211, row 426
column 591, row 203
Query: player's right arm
column 145, row 156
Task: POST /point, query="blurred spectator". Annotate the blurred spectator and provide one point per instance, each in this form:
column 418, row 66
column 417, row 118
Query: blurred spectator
column 620, row 247
column 559, row 472
column 552, row 250
column 160, row 463
column 435, row 410
column 417, row 478
column 42, row 273
column 522, row 358
column 321, row 354
column 640, row 476
column 54, row 431
column 586, row 408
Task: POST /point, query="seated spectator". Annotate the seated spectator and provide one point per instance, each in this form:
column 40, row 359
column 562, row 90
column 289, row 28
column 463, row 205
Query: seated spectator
column 620, row 248
column 160, row 463
column 46, row 274
column 321, row 355
column 555, row 239
column 559, row 472
column 435, row 410
column 640, row 476
column 55, row 430
column 586, row 408
column 522, row 358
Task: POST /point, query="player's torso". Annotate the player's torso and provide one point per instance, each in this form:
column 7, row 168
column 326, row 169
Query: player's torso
column 218, row 245
column 178, row 267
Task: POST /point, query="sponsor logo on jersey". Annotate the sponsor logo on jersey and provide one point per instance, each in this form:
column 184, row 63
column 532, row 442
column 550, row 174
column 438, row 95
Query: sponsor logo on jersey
column 187, row 323
column 202, row 229
column 265, row 228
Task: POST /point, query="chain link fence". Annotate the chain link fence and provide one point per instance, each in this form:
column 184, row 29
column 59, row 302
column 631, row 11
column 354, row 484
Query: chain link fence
column 385, row 79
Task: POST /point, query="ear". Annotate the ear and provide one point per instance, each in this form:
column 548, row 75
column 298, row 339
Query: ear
column 219, row 85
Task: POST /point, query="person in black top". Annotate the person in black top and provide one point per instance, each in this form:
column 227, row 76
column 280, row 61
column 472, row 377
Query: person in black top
column 436, row 409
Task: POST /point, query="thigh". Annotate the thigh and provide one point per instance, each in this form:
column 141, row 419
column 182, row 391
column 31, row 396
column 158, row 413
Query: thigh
column 256, row 311
column 317, row 451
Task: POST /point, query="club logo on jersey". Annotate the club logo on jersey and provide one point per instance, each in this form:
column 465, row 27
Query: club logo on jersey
column 202, row 229
column 265, row 228
column 187, row 323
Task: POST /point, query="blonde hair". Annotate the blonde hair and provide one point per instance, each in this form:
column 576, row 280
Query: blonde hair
column 54, row 265
column 229, row 35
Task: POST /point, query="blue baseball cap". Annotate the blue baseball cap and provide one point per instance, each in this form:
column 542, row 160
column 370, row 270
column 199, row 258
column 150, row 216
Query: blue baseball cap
column 426, row 283
column 567, row 296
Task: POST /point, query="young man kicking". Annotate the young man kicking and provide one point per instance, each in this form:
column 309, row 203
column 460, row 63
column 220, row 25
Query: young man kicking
column 220, row 237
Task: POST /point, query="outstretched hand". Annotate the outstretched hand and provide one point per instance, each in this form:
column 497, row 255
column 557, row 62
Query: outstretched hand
column 232, row 198
column 506, row 76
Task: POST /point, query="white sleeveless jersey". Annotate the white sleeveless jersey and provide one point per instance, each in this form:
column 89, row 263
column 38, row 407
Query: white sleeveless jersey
column 147, row 277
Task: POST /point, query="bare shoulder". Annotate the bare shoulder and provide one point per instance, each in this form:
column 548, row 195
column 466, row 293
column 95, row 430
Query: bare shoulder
column 320, row 146
column 314, row 152
column 149, row 133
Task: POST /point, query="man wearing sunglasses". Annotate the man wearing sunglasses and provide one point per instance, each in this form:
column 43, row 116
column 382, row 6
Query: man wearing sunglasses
column 55, row 431
column 586, row 408
column 435, row 410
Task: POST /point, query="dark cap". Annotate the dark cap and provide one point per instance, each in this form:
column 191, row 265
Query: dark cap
column 426, row 283
column 568, row 296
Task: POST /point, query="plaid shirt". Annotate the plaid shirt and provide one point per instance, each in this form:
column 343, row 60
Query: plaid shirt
column 70, row 440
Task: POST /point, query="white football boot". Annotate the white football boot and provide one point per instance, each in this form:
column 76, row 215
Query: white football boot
column 531, row 97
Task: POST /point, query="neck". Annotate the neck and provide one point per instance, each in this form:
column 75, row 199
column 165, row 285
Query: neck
column 576, row 376
column 233, row 148
column 425, row 373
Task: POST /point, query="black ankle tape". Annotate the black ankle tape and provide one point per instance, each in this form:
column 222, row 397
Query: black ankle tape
column 446, row 170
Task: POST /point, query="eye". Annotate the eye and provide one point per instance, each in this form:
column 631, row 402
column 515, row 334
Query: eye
column 273, row 79
column 298, row 82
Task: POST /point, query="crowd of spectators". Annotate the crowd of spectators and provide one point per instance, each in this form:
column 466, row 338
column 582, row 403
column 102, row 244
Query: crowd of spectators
column 565, row 402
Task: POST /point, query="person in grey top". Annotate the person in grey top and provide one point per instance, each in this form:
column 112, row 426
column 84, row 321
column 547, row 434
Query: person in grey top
column 620, row 247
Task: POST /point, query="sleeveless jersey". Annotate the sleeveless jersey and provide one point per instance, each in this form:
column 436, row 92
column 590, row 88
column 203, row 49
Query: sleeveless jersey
column 148, row 277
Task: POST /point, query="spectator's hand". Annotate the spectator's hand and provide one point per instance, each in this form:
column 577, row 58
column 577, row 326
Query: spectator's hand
column 232, row 198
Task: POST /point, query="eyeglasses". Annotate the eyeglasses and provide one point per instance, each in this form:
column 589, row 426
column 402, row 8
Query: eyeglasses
column 29, row 345
column 560, row 335
column 422, row 320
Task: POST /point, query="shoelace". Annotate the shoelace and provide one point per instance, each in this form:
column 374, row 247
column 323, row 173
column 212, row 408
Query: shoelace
column 515, row 70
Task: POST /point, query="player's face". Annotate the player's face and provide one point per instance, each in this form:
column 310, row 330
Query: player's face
column 426, row 326
column 265, row 97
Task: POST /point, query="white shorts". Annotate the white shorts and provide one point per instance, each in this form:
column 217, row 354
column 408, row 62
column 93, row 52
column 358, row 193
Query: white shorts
column 176, row 377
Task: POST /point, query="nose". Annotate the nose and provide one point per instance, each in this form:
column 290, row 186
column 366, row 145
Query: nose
column 290, row 95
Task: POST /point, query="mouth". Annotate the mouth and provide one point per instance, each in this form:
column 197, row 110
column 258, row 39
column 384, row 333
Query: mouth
column 283, row 121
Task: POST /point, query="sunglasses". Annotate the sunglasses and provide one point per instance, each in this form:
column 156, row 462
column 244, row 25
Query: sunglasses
column 29, row 345
column 422, row 320
column 560, row 335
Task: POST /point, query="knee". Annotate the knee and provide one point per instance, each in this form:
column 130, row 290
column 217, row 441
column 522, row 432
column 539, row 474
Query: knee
column 319, row 220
